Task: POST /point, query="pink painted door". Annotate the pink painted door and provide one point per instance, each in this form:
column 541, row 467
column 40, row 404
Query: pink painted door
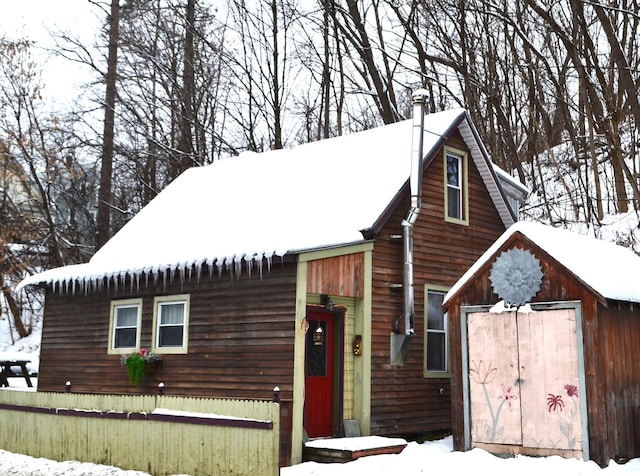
column 523, row 379
column 551, row 416
column 493, row 378
column 319, row 375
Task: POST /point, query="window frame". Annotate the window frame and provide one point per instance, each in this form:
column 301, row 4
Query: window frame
column 158, row 302
column 111, row 349
column 464, row 186
column 431, row 288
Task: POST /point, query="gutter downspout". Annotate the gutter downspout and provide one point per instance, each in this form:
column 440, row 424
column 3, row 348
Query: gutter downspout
column 415, row 184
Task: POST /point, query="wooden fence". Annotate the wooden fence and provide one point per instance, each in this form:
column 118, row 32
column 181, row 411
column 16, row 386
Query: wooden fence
column 160, row 435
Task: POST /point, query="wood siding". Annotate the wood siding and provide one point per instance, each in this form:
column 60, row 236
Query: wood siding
column 337, row 276
column 614, row 424
column 611, row 339
column 403, row 401
column 241, row 338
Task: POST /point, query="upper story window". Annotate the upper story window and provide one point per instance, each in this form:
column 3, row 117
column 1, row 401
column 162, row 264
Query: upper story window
column 124, row 326
column 436, row 352
column 456, row 196
column 171, row 324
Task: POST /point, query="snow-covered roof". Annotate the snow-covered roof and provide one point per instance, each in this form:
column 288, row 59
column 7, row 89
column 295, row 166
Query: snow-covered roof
column 253, row 207
column 608, row 269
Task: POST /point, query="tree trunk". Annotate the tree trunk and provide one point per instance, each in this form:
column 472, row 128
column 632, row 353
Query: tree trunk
column 324, row 119
column 277, row 105
column 188, row 86
column 103, row 220
column 14, row 308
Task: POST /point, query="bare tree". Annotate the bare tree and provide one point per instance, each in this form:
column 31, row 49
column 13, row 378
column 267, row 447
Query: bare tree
column 258, row 56
column 44, row 188
column 376, row 70
column 170, row 94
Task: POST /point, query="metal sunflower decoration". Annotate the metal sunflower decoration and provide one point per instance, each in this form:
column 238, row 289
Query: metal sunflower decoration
column 516, row 276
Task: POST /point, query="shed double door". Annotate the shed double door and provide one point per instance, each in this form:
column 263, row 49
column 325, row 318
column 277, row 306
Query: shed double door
column 524, row 380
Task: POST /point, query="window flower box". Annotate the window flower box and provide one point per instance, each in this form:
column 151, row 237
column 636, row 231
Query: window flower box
column 140, row 364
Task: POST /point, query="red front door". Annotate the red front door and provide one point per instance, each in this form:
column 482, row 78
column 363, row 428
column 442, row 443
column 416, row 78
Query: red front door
column 319, row 374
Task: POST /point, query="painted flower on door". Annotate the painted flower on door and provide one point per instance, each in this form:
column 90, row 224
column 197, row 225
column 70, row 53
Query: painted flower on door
column 566, row 412
column 483, row 375
column 507, row 395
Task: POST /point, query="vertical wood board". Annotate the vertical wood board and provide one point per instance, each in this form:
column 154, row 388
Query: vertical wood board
column 493, row 369
column 337, row 276
column 549, row 376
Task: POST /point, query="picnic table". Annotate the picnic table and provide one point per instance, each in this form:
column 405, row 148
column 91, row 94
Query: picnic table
column 5, row 371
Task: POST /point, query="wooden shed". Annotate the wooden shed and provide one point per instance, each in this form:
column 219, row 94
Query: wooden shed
column 288, row 268
column 545, row 334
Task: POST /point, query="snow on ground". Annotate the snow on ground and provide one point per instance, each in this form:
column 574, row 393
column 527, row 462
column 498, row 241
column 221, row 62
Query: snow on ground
column 434, row 457
column 21, row 465
column 437, row 457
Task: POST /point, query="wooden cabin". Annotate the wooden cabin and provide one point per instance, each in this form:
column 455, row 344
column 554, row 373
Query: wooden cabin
column 554, row 370
column 288, row 268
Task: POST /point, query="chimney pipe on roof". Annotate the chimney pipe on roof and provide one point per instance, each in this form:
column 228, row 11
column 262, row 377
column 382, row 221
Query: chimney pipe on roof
column 415, row 183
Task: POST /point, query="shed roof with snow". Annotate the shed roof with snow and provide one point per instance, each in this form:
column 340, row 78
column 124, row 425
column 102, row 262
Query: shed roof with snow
column 241, row 211
column 607, row 269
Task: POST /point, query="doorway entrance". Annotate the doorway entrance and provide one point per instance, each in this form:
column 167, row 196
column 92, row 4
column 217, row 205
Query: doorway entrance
column 323, row 373
column 524, row 380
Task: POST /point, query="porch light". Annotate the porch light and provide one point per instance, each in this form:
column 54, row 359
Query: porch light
column 326, row 301
column 318, row 336
column 276, row 394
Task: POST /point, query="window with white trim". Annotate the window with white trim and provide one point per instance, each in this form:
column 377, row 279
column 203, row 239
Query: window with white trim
column 436, row 339
column 171, row 324
column 455, row 176
column 124, row 326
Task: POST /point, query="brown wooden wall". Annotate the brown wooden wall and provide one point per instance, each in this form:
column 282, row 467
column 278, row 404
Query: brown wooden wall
column 241, row 338
column 614, row 426
column 611, row 339
column 403, row 401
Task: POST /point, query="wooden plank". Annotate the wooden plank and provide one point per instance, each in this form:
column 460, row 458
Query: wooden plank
column 340, row 450
column 549, row 373
column 493, row 373
column 526, row 450
column 337, row 276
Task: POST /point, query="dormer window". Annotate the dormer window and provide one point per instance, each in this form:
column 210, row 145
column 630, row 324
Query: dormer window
column 455, row 177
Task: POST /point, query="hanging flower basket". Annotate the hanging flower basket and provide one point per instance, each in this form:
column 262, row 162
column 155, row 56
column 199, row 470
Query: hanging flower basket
column 139, row 364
